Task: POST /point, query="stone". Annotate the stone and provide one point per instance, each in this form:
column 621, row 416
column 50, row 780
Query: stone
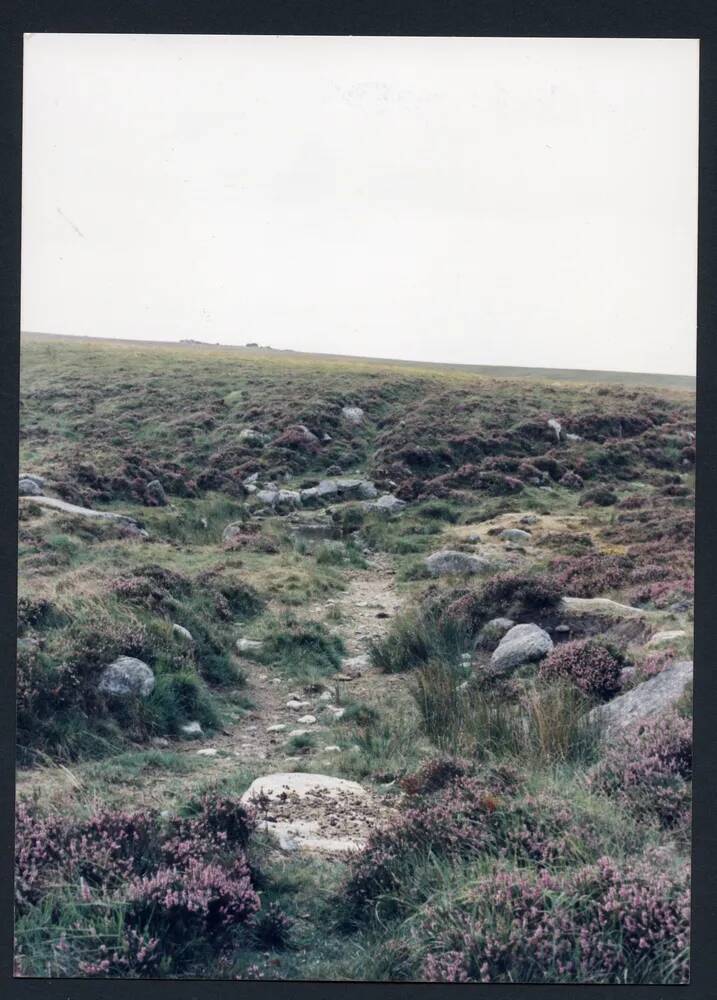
column 556, row 426
column 249, row 645
column 448, row 562
column 529, row 519
column 287, row 499
column 307, row 720
column 207, row 752
column 521, row 644
column 279, row 727
column 250, row 436
column 295, row 705
column 352, row 414
column 183, row 632
column 161, row 742
column 314, row 812
column 126, row 677
column 333, row 748
column 515, row 535
column 154, row 494
column 562, row 629
column 599, row 605
column 335, row 711
column 325, row 696
column 267, row 496
column 29, row 487
column 660, row 638
column 103, row 515
column 386, row 504
column 191, row 729
column 354, row 666
column 573, row 437
column 251, row 480
column 645, row 701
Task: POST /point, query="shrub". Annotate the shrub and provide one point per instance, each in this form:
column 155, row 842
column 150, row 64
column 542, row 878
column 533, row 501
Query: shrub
column 418, row 636
column 272, row 928
column 589, row 664
column 599, row 496
column 178, row 698
column 600, row 924
column 650, row 773
column 591, row 575
column 515, row 595
column 199, row 903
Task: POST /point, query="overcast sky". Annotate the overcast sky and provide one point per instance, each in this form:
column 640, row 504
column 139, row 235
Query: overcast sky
column 482, row 201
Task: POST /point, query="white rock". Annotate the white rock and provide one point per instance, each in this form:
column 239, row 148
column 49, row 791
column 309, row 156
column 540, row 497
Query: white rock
column 659, row 638
column 249, row 645
column 644, row 702
column 278, row 727
column 515, row 535
column 332, row 749
column 353, row 414
column 334, row 710
column 126, row 677
column 325, row 696
column 556, row 426
column 207, row 752
column 191, row 729
column 184, row 632
column 521, row 644
column 296, row 705
column 450, row 563
column 307, row 720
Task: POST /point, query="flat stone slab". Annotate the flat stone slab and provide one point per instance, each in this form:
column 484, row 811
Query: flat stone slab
column 71, row 508
column 599, row 605
column 644, row 702
column 314, row 812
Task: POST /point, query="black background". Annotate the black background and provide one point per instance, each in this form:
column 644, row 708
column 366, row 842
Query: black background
column 566, row 18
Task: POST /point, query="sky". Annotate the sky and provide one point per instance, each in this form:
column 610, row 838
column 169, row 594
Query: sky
column 465, row 200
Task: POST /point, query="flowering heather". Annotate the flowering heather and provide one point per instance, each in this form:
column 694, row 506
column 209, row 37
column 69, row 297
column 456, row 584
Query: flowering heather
column 590, row 575
column 220, row 824
column 201, row 900
column 515, row 594
column 466, row 818
column 599, row 924
column 588, row 664
column 650, row 773
column 137, row 956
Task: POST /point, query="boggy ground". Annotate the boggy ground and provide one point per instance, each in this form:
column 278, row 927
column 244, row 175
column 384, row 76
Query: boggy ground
column 390, row 663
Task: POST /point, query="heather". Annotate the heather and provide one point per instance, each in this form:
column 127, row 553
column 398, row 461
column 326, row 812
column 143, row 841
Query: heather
column 271, row 578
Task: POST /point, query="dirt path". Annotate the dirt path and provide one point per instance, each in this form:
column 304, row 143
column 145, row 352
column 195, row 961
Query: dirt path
column 248, row 744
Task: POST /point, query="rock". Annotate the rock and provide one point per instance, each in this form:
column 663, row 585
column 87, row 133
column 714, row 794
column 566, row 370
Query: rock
column 207, row 752
column 314, row 529
column 556, row 426
column 448, row 562
column 103, row 515
column 251, row 480
column 660, row 638
column 314, row 812
column 646, row 701
column 184, row 632
column 562, row 629
column 37, row 480
column 251, row 437
column 326, row 488
column 335, row 711
column 249, row 645
column 298, row 732
column 573, row 437
column 29, row 487
column 191, row 729
column 386, row 504
column 161, row 742
column 334, row 470
column 493, row 631
column 529, row 519
column 333, row 748
column 126, row 677
column 353, row 414
column 307, row 720
column 515, row 535
column 599, row 605
column 267, row 496
column 296, row 705
column 325, row 696
column 521, row 644
column 354, row 666
column 279, row 727
column 232, row 531
column 287, row 499
column 154, row 494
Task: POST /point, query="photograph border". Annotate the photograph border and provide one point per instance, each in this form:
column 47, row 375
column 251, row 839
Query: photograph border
column 534, row 18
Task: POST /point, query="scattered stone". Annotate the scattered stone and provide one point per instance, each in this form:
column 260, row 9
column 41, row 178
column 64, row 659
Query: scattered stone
column 126, row 677
column 562, row 629
column 298, row 732
column 521, row 644
column 251, row 480
column 29, row 487
column 325, row 696
column 332, row 749
column 599, row 605
column 660, row 638
column 556, row 426
column 573, row 437
column 352, row 414
column 207, row 752
column 386, row 504
column 354, row 666
column 315, row 812
column 279, row 727
column 103, row 515
column 249, row 645
column 338, row 713
column 529, row 519
column 250, row 436
column 307, row 720
column 184, row 632
column 154, row 494
column 161, row 742
column 295, row 705
column 267, row 496
column 448, row 562
column 515, row 535
column 191, row 729
column 287, row 499
column 645, row 701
